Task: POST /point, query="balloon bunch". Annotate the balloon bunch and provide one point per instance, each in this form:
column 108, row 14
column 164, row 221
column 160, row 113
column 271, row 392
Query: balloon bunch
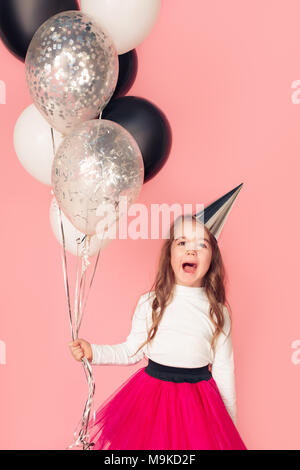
column 81, row 135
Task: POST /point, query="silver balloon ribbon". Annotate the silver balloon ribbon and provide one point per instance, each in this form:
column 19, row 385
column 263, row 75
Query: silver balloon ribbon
column 84, row 266
column 81, row 437
column 91, row 282
column 83, row 434
column 76, row 286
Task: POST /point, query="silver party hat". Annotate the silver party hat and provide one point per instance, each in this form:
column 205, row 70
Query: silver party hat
column 215, row 215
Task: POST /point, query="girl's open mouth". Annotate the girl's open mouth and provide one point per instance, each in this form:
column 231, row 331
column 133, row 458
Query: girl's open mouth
column 189, row 268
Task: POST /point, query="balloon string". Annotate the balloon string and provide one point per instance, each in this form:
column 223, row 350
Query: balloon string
column 53, row 143
column 92, row 278
column 65, row 270
column 64, row 259
column 84, row 265
column 83, row 435
column 81, row 299
column 76, row 287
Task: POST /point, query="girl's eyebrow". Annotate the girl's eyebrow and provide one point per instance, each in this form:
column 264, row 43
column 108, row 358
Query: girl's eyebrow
column 199, row 239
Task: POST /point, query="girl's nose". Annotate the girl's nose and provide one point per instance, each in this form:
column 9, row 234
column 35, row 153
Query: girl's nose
column 191, row 247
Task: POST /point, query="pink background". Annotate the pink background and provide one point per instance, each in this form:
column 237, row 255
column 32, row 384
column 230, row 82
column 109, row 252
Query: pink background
column 222, row 72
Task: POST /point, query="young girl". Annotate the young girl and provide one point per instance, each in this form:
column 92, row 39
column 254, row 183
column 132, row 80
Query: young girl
column 185, row 397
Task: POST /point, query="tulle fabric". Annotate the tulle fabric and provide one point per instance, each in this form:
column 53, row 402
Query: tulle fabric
column 152, row 414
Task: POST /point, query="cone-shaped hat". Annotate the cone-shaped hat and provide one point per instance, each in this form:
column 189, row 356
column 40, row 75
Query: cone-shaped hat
column 214, row 216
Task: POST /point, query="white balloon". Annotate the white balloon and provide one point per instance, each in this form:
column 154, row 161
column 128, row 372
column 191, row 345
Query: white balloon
column 71, row 233
column 128, row 22
column 33, row 143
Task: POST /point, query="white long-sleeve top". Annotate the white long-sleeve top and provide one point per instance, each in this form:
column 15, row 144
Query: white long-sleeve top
column 182, row 339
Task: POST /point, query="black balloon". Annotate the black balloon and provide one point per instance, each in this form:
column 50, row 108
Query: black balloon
column 128, row 64
column 20, row 19
column 148, row 125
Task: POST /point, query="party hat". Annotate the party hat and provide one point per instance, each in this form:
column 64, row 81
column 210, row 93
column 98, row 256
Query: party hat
column 214, row 216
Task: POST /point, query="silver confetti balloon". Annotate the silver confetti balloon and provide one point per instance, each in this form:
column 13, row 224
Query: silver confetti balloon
column 72, row 69
column 95, row 165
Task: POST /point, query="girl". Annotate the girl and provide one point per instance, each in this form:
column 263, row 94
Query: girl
column 185, row 397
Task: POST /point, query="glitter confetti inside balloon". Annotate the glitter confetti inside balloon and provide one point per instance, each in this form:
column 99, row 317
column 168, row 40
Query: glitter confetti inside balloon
column 95, row 165
column 71, row 69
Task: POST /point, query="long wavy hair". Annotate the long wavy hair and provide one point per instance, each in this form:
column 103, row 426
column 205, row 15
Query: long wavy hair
column 213, row 282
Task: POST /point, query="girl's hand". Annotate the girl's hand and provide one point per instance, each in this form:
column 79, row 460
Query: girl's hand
column 81, row 348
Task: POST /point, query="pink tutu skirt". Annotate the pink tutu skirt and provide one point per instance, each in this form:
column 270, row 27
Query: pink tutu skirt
column 148, row 413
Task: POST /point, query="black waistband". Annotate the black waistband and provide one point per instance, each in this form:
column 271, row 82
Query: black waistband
column 177, row 374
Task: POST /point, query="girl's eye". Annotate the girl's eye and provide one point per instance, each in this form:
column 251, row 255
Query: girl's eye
column 198, row 245
column 202, row 244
